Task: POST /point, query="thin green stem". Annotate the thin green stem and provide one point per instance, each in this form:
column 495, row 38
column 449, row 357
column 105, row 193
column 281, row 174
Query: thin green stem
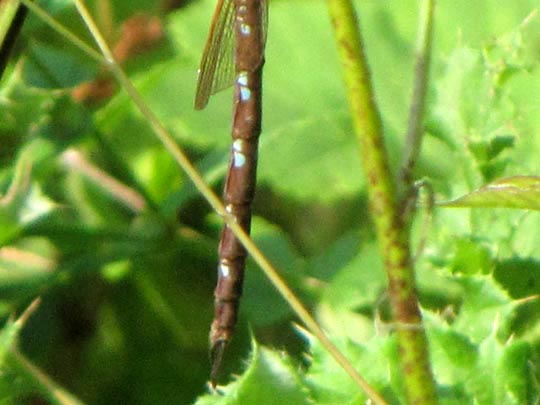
column 55, row 394
column 216, row 203
column 392, row 236
column 8, row 10
column 415, row 130
column 76, row 161
column 12, row 16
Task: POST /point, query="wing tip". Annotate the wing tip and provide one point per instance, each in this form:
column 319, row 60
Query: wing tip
column 200, row 103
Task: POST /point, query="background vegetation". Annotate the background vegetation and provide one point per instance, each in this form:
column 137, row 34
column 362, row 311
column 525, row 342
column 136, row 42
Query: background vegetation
column 125, row 271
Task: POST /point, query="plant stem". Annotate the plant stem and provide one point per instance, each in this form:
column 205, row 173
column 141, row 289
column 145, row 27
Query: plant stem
column 75, row 160
column 415, row 130
column 55, row 394
column 12, row 16
column 392, row 236
column 55, row 25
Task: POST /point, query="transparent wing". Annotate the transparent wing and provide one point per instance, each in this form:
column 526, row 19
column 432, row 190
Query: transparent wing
column 216, row 71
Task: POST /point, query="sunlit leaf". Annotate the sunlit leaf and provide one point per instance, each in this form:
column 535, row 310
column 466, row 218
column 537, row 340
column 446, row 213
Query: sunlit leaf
column 376, row 359
column 270, row 378
column 364, row 271
column 490, row 382
column 470, row 257
column 454, row 355
column 8, row 10
column 133, row 291
column 486, row 308
column 519, row 192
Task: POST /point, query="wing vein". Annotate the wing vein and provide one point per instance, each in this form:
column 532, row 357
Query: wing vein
column 216, row 71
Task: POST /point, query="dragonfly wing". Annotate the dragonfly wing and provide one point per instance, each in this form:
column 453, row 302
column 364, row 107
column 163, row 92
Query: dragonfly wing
column 216, row 71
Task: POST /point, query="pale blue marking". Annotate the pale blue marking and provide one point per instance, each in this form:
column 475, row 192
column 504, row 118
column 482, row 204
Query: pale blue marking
column 238, row 153
column 239, row 159
column 224, row 270
column 242, row 79
column 245, row 93
column 245, row 29
column 238, row 145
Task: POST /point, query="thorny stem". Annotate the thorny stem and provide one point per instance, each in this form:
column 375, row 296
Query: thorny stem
column 391, row 233
column 207, row 192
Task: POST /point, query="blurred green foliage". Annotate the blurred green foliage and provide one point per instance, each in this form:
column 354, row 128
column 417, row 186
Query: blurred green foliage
column 126, row 289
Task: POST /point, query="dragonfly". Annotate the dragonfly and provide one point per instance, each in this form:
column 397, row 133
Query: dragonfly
column 234, row 55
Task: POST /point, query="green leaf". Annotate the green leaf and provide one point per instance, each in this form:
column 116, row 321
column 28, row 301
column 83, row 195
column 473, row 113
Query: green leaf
column 501, row 375
column 513, row 380
column 471, row 257
column 376, row 359
column 482, row 111
column 519, row 276
column 158, row 171
column 486, row 372
column 271, row 378
column 54, row 68
column 23, row 203
column 474, row 116
column 7, row 14
column 297, row 140
column 365, row 272
column 519, row 192
column 55, row 6
column 259, row 295
column 288, row 165
column 12, row 384
column 40, row 120
column 486, row 308
column 25, row 268
column 454, row 354
column 21, row 109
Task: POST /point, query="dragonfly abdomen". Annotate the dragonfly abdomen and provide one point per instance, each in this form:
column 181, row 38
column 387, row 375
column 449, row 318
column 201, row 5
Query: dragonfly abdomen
column 243, row 21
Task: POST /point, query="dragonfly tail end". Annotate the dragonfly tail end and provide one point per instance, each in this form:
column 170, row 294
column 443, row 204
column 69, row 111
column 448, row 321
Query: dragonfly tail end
column 216, row 357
